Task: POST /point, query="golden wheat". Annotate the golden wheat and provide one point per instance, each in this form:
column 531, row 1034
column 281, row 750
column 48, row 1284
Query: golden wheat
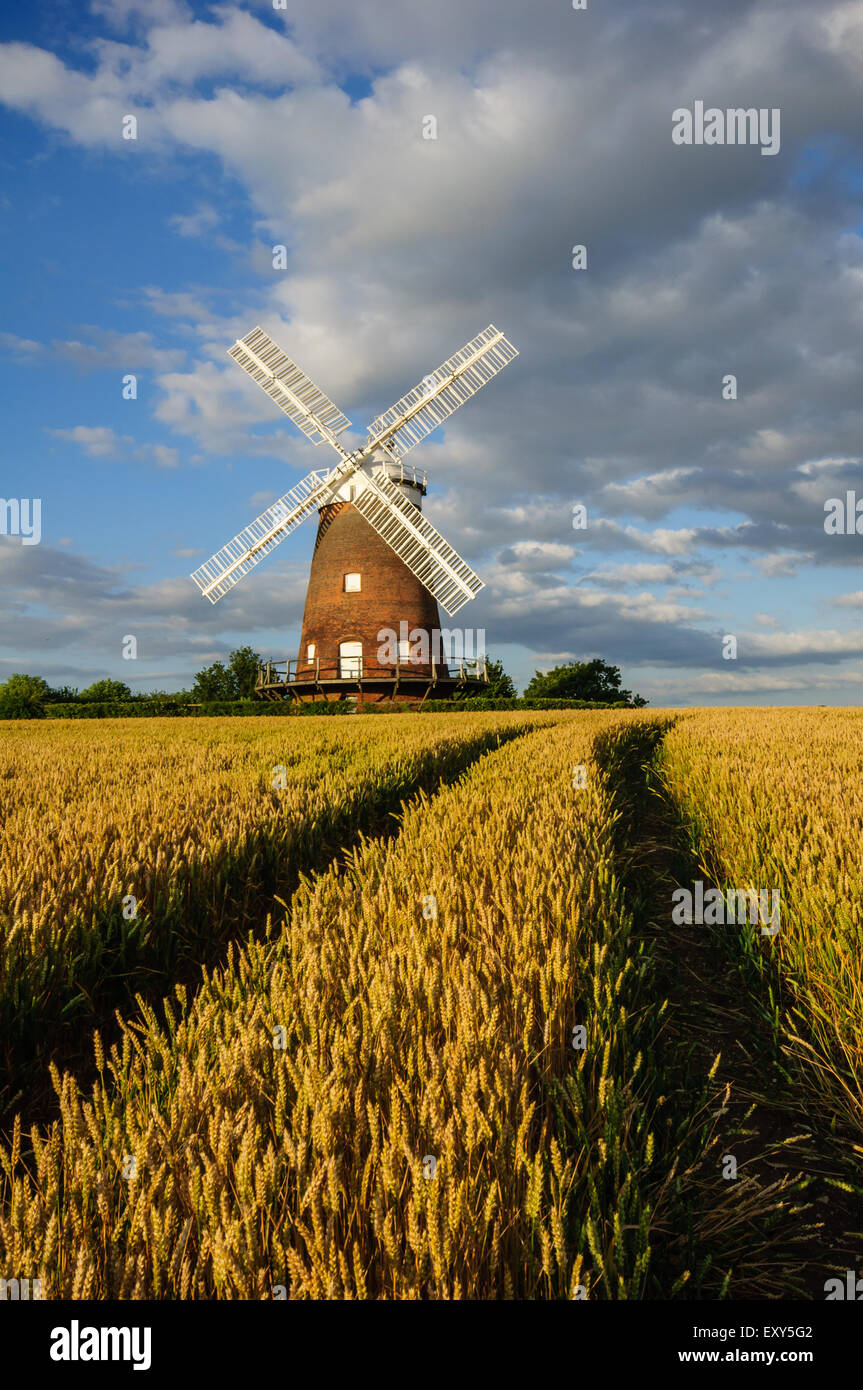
column 775, row 801
column 129, row 847
column 385, row 1096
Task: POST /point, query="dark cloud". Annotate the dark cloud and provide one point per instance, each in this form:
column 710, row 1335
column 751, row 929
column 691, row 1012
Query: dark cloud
column 554, row 130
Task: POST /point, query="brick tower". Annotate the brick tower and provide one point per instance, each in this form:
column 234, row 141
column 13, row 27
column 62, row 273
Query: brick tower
column 359, row 589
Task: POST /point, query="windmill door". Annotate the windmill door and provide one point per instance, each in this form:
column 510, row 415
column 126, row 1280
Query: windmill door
column 350, row 660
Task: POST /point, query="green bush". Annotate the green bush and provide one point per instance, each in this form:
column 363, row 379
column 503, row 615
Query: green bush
column 23, row 697
column 147, row 709
column 285, row 707
column 583, row 680
column 483, row 703
column 143, row 709
column 114, row 709
column 105, row 692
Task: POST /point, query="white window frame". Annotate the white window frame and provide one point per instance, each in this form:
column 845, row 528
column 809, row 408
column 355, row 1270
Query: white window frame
column 351, row 663
column 353, row 588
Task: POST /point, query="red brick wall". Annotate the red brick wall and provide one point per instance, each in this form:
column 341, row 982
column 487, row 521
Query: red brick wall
column 390, row 594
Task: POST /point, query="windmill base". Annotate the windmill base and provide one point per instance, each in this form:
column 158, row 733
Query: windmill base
column 407, row 691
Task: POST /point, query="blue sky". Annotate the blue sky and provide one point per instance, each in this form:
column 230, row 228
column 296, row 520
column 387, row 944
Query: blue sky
column 302, row 127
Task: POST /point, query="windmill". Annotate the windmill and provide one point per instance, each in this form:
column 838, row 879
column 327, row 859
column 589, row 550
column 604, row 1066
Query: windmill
column 378, row 562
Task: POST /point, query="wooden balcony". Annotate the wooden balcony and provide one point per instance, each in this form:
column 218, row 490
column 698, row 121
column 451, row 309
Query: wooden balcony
column 354, row 677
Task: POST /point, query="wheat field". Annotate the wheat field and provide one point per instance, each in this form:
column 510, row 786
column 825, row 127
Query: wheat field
column 774, row 798
column 426, row 1055
column 295, row 1158
column 130, row 849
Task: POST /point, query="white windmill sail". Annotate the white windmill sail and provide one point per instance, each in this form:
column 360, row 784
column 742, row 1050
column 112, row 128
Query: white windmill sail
column 224, row 569
column 441, row 393
column 288, row 385
column 383, row 504
column 417, row 543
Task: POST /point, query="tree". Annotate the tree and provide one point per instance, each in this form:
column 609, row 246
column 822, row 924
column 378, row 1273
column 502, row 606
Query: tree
column 170, row 697
column 243, row 669
column 23, row 697
column 212, row 683
column 64, row 694
column 582, row 680
column 236, row 681
column 106, row 690
column 500, row 685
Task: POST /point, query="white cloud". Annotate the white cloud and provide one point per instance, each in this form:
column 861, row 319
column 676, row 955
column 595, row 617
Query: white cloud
column 106, row 348
column 100, row 441
column 663, row 541
column 129, row 78
column 537, row 555
column 13, row 344
column 645, row 494
column 634, row 574
column 192, row 224
column 164, row 456
column 400, row 249
column 97, row 441
column 729, row 682
column 781, row 566
column 805, row 643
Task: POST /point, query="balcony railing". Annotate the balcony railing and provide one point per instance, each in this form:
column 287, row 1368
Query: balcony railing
column 400, row 472
column 353, row 668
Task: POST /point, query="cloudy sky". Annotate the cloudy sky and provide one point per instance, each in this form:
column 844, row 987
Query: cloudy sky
column 304, row 127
